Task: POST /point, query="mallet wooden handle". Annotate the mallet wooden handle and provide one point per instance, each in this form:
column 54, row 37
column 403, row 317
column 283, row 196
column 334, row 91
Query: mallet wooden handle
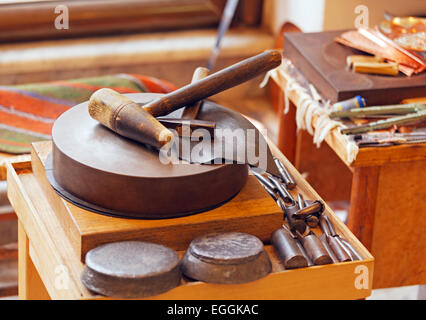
column 215, row 83
column 191, row 112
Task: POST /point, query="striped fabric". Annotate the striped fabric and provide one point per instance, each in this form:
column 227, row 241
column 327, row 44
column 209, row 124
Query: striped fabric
column 27, row 112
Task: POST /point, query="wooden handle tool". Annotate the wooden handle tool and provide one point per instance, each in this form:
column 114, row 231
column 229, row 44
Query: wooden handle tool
column 191, row 112
column 215, row 83
column 127, row 118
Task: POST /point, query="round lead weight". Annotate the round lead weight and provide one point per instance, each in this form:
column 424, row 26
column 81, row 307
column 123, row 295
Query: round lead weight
column 131, row 269
column 230, row 257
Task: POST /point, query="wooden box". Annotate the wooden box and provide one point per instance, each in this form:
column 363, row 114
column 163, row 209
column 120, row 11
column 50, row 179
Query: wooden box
column 323, row 62
column 44, row 238
column 252, row 211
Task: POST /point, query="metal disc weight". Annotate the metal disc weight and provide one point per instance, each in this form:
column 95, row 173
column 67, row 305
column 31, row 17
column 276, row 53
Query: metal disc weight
column 131, row 269
column 230, row 257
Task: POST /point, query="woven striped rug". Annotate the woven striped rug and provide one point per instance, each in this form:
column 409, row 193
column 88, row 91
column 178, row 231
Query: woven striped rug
column 27, row 112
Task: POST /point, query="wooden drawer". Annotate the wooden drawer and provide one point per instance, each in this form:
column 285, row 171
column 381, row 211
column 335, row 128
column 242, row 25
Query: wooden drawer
column 54, row 255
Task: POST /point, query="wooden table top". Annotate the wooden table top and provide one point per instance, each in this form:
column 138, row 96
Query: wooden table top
column 368, row 156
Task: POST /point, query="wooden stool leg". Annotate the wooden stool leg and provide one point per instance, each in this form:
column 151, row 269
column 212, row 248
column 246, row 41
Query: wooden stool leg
column 287, row 132
column 387, row 216
column 30, row 286
column 363, row 203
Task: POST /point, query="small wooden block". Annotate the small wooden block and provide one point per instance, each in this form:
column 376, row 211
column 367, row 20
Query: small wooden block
column 350, row 60
column 252, row 211
column 376, row 68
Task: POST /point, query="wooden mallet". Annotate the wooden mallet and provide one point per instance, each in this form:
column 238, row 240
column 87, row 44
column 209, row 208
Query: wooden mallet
column 125, row 117
column 189, row 113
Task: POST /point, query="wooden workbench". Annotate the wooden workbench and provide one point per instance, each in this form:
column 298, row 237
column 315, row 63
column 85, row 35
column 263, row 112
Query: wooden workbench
column 387, row 197
column 50, row 266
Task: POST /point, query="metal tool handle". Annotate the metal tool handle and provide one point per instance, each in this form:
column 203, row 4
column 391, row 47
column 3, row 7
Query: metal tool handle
column 215, row 83
column 290, row 253
column 225, row 22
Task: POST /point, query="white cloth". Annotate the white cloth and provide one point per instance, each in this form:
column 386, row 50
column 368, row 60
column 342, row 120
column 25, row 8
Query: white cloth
column 307, row 108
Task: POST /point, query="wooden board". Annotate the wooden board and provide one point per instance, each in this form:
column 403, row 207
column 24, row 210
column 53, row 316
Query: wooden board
column 323, row 62
column 252, row 211
column 51, row 255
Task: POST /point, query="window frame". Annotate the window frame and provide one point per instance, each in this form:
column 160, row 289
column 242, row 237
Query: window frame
column 35, row 19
